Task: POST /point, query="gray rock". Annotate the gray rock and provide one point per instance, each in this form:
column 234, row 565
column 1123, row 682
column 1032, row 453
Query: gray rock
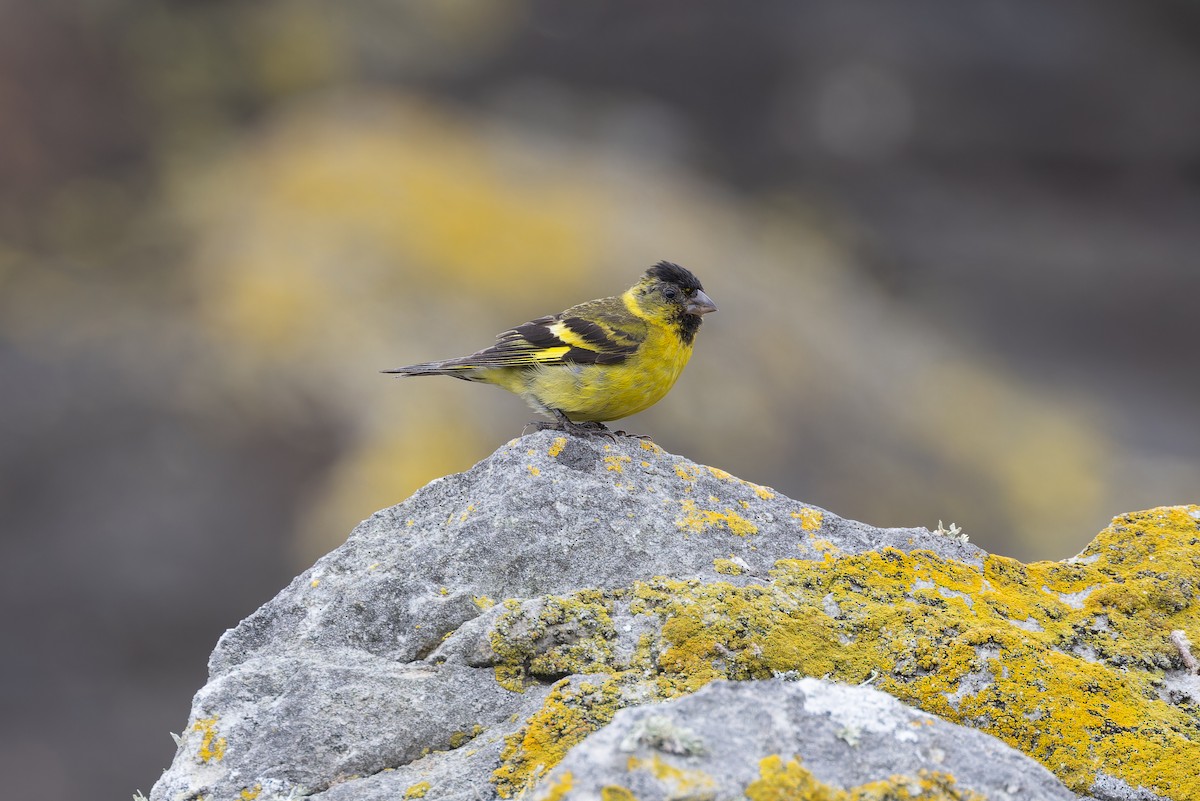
column 713, row 744
column 1110, row 788
column 458, row 645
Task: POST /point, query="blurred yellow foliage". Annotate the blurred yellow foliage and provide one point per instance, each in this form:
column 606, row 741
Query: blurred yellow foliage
column 336, row 212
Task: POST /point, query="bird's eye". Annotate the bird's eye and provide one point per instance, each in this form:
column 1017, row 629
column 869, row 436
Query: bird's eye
column 670, row 293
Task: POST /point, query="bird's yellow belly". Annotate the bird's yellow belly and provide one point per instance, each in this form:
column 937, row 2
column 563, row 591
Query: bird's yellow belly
column 599, row 393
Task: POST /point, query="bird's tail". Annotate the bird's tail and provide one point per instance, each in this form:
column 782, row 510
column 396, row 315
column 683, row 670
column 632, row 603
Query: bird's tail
column 450, row 367
column 425, row 368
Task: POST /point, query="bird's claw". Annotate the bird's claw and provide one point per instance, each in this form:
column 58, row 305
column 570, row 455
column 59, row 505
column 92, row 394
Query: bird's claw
column 567, row 426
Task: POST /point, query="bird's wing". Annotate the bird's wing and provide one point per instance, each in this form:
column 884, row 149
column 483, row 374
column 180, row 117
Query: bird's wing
column 597, row 332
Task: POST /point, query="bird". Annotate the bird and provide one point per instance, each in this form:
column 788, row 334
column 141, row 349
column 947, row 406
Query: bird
column 597, row 361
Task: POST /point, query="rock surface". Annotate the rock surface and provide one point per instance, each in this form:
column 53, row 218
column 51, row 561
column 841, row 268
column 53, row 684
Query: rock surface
column 459, row 645
column 784, row 739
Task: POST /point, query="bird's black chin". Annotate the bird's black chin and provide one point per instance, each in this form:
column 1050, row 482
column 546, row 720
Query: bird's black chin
column 686, row 325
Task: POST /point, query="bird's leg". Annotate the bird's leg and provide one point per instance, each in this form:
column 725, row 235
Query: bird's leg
column 565, row 424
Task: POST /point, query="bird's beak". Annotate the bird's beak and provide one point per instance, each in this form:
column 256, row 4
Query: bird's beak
column 700, row 304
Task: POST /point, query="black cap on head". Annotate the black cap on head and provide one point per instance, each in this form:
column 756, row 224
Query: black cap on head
column 674, row 274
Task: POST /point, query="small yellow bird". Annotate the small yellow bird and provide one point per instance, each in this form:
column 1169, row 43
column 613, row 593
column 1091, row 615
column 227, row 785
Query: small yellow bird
column 598, row 361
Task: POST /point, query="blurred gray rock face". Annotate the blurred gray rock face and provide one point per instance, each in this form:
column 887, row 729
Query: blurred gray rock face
column 458, row 644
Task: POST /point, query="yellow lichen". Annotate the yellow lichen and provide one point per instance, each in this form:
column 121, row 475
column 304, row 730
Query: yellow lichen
column 696, row 519
column 614, row 792
column 826, row 547
column 791, row 781
column 460, row 738
column 483, row 602
column 251, row 793
column 647, row 445
column 810, row 519
column 561, row 786
column 314, row 583
column 570, row 713
column 211, row 746
column 764, row 493
column 685, row 474
column 681, row 782
column 511, row 677
column 616, row 464
column 517, row 633
column 728, row 567
column 556, row 447
column 418, row 790
column 534, row 471
column 1072, row 654
column 443, row 590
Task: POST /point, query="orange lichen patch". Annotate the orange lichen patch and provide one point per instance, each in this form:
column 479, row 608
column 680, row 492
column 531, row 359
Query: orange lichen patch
column 810, row 519
column 1065, row 660
column 780, row 781
column 211, row 746
column 696, row 519
column 556, row 447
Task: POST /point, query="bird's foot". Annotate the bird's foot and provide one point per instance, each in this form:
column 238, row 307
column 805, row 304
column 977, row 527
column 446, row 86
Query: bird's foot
column 568, row 426
column 633, row 436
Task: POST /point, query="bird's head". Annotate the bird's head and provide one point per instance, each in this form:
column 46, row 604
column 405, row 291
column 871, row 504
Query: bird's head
column 671, row 293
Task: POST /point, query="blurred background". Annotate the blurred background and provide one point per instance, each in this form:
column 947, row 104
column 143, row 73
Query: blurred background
column 954, row 246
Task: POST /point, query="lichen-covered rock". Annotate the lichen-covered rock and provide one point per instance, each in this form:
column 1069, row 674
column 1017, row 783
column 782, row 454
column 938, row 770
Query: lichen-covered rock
column 460, row 644
column 793, row 740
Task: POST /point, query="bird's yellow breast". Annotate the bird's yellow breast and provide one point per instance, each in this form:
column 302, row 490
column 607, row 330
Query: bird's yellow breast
column 609, row 392
column 602, row 392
